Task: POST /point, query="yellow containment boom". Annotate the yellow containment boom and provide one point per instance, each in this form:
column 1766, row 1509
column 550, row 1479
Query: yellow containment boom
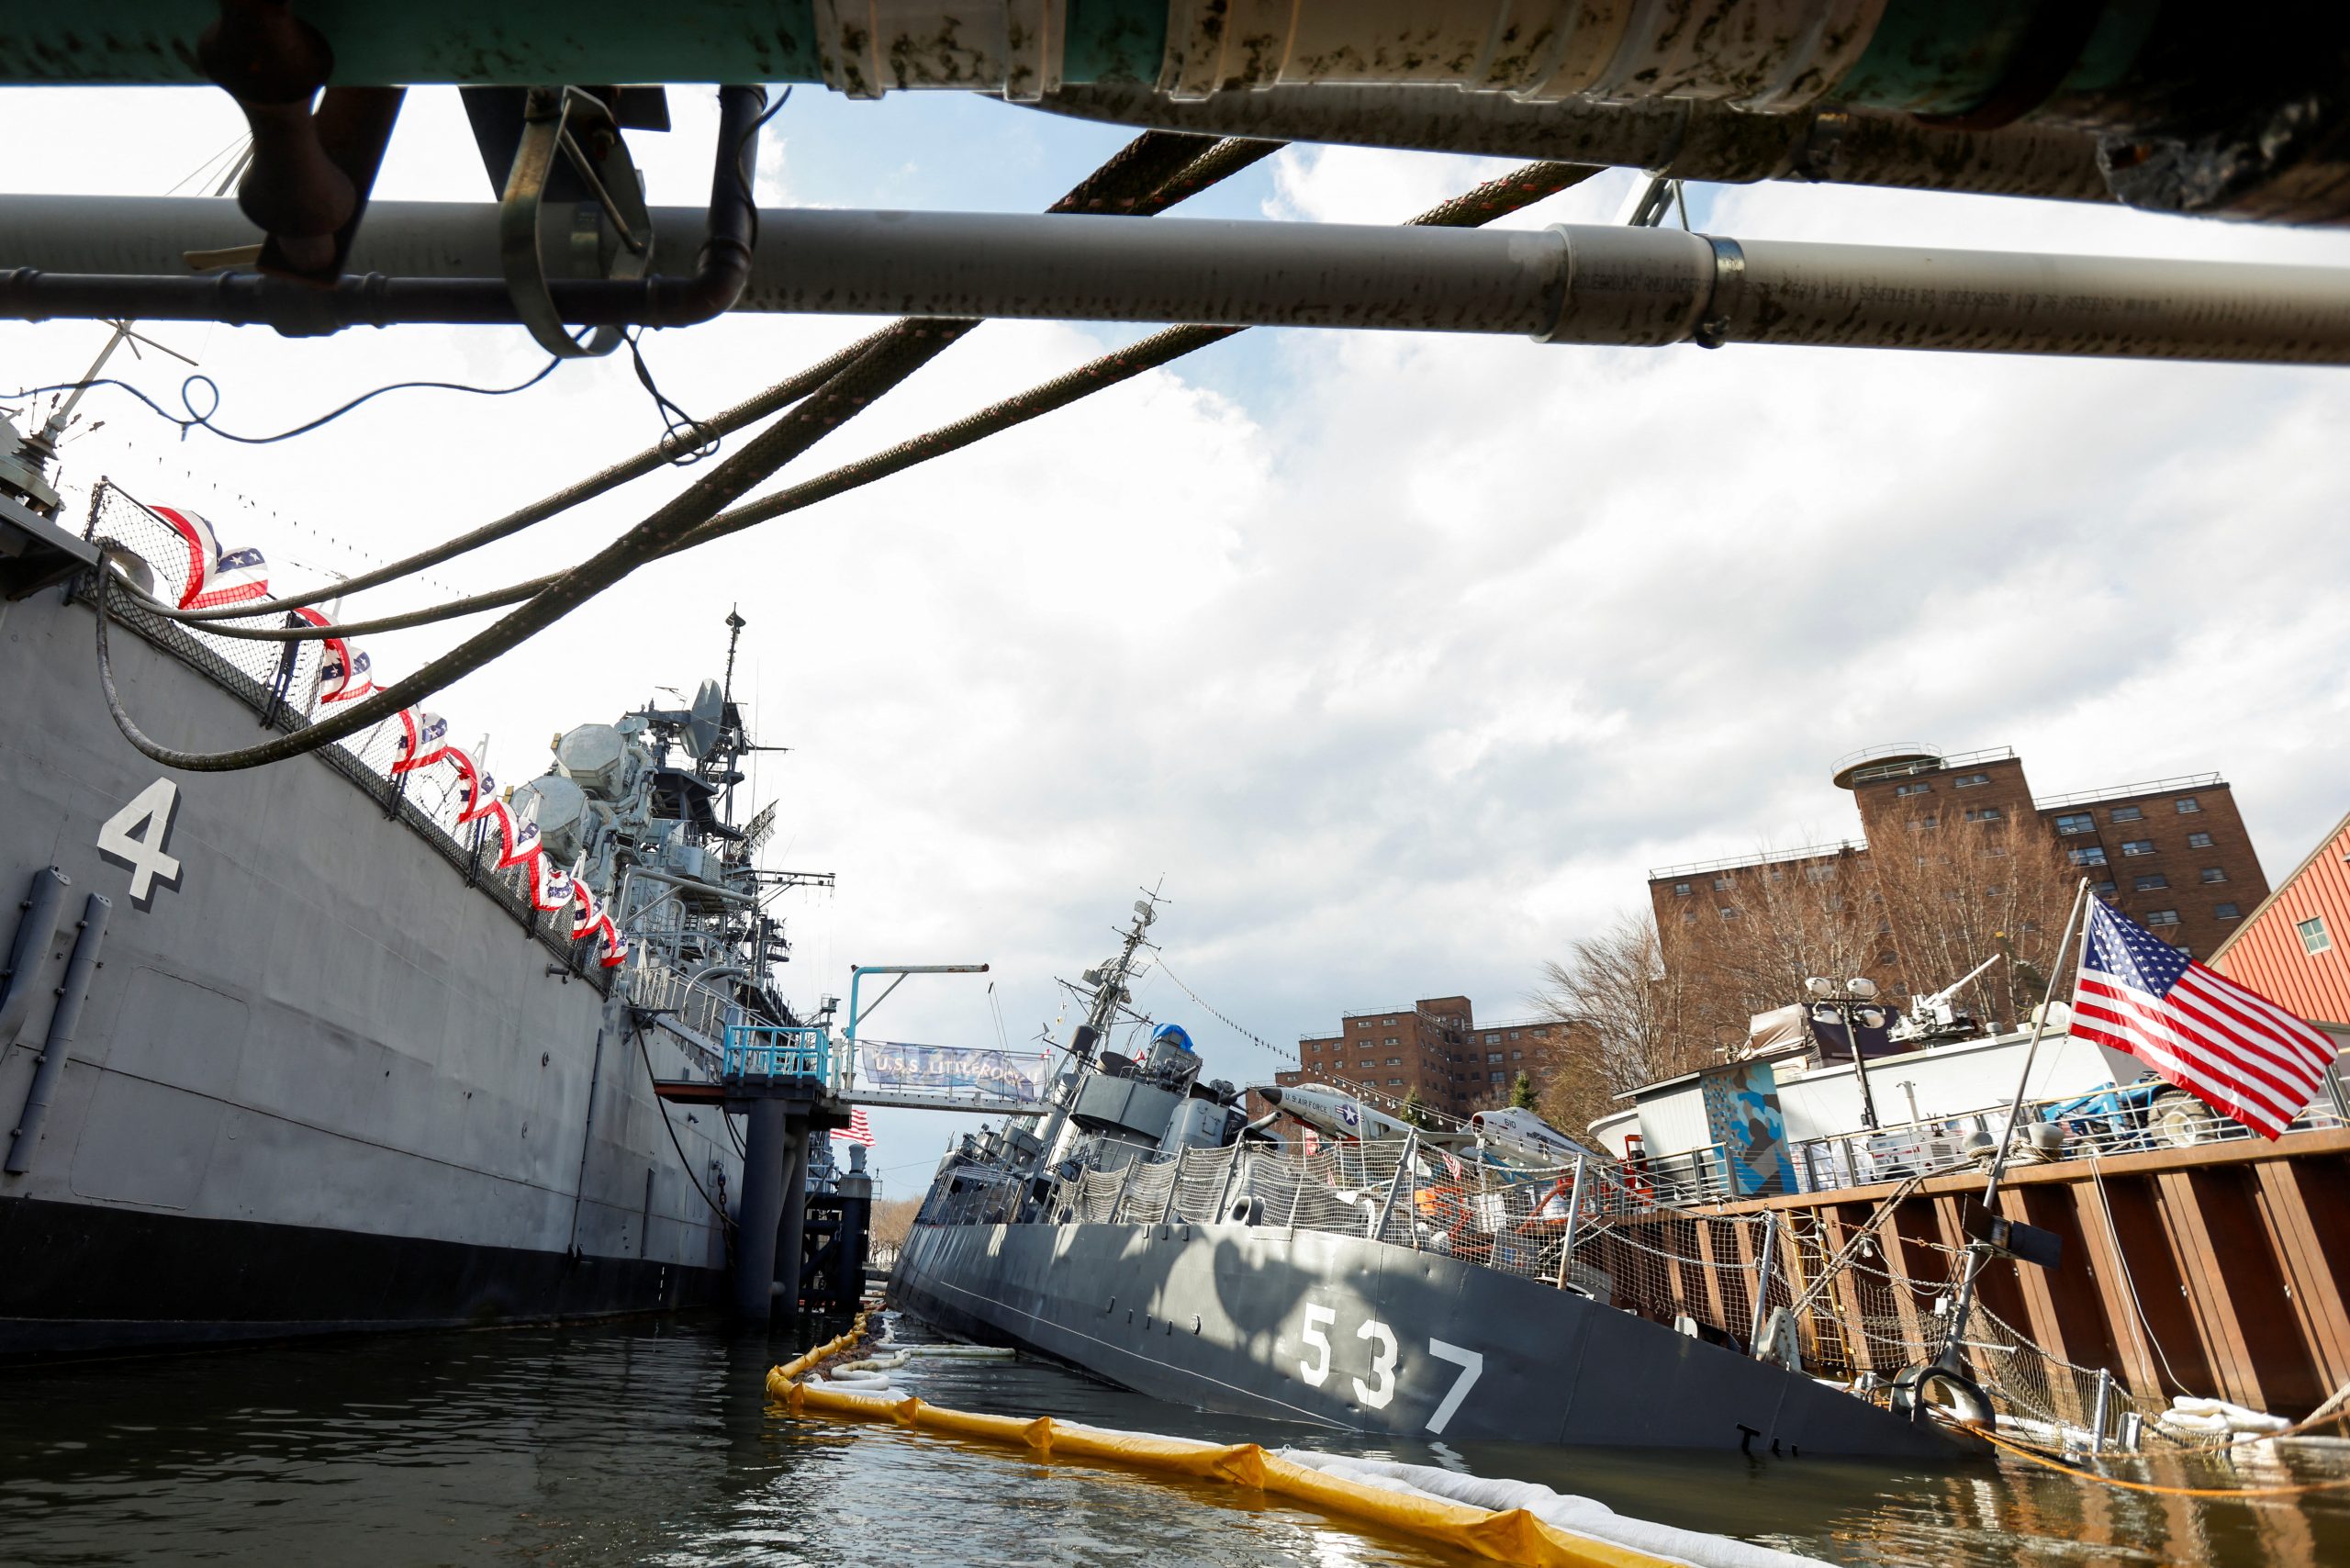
column 1510, row 1536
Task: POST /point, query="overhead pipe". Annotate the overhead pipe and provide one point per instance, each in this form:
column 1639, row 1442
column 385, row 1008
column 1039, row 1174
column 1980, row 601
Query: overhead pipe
column 2197, row 108
column 1570, row 283
column 723, row 238
column 1685, row 137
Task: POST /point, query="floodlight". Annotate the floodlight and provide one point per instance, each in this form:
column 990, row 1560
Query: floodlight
column 1857, row 986
column 1818, row 986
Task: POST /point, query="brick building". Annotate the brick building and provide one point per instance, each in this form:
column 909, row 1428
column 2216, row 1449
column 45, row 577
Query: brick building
column 1434, row 1046
column 2172, row 854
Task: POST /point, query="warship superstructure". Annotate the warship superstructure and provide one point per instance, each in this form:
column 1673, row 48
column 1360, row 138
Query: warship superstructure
column 1428, row 1285
column 290, row 1050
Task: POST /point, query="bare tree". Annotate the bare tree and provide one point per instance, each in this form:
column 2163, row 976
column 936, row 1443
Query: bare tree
column 1762, row 929
column 1626, row 1021
column 1959, row 892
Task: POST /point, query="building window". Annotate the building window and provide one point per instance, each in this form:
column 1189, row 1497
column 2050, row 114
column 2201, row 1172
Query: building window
column 2161, row 917
column 1395, row 1061
column 2187, row 805
column 1390, row 1040
column 1819, row 873
column 2198, row 841
column 1721, row 884
column 1969, row 781
column 2077, row 821
column 1495, row 1077
column 1387, row 1023
column 1395, row 1083
column 2148, row 884
column 2102, row 890
column 1688, row 917
column 2314, row 937
column 2125, row 814
column 1366, row 1065
column 1919, row 825
column 1778, row 874
column 2093, row 855
column 2215, row 873
column 1920, row 788
column 1492, row 1056
column 1492, row 1040
column 1727, row 913
column 2137, row 847
column 1982, row 813
column 1362, row 1024
column 2226, row 912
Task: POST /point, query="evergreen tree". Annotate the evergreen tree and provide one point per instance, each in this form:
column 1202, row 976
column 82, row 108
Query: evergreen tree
column 1521, row 1093
column 1416, row 1111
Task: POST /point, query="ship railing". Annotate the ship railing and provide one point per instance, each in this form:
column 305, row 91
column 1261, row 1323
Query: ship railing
column 660, row 987
column 281, row 681
column 2135, row 1119
column 777, row 1050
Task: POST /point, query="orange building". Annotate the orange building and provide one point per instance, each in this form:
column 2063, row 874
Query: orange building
column 2295, row 948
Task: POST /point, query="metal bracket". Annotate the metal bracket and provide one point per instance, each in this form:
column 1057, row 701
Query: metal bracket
column 579, row 126
column 1714, row 323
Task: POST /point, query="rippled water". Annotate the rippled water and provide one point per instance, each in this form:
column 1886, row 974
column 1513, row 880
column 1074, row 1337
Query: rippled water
column 653, row 1444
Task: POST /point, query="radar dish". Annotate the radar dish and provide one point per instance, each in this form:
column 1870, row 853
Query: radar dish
column 704, row 720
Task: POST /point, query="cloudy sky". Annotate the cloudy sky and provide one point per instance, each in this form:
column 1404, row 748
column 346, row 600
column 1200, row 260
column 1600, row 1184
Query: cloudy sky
column 1399, row 658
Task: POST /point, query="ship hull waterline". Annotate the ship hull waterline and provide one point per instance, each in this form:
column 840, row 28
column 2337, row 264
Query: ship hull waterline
column 1349, row 1334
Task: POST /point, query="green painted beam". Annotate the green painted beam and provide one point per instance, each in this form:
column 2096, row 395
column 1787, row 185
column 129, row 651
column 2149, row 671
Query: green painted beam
column 93, row 42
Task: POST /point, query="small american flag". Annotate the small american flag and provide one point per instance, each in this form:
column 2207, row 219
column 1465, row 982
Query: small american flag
column 2234, row 1050
column 859, row 1130
column 216, row 576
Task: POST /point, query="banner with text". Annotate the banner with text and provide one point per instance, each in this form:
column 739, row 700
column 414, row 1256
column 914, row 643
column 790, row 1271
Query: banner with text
column 933, row 1069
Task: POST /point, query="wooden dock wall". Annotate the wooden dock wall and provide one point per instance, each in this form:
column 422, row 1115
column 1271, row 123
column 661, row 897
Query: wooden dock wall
column 2237, row 1266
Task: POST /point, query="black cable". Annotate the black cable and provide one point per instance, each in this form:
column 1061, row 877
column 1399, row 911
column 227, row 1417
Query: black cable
column 675, row 422
column 1146, row 159
column 1473, row 208
column 204, row 421
column 642, row 1051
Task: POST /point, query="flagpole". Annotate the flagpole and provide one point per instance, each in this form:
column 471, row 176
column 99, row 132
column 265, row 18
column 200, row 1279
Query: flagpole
column 1977, row 1255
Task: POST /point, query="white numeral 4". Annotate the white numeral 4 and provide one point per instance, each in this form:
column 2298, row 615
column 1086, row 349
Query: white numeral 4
column 137, row 836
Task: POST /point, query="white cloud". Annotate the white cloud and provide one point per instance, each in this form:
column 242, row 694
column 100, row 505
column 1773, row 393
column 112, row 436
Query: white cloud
column 1402, row 664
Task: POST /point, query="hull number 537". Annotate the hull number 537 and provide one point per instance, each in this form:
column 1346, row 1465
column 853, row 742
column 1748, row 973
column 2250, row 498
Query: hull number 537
column 1376, row 1394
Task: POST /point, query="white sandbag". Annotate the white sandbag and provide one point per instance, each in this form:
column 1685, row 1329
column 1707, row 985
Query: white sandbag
column 1579, row 1515
column 963, row 1353
column 2239, row 1418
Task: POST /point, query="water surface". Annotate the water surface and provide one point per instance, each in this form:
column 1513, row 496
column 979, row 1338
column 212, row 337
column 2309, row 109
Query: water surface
column 654, row 1442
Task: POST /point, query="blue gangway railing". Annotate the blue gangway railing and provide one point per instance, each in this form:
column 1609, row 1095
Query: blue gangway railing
column 777, row 1050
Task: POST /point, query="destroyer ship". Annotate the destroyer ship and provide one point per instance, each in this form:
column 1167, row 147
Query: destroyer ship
column 1428, row 1285
column 360, row 1041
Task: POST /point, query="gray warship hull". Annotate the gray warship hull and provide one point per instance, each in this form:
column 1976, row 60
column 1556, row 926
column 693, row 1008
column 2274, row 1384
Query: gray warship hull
column 1349, row 1333
column 327, row 1077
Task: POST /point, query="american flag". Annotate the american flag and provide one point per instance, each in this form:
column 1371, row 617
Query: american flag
column 859, row 1130
column 216, row 576
column 343, row 669
column 423, row 740
column 2234, row 1050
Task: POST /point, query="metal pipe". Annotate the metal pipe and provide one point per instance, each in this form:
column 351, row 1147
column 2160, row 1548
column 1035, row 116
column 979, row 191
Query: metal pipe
column 1762, row 1280
column 1953, row 1355
column 71, row 993
column 35, row 929
column 790, row 1246
column 1574, row 1218
column 1571, row 283
column 766, row 1157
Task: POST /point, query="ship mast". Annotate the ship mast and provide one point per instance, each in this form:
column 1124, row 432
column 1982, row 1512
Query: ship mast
column 1109, row 995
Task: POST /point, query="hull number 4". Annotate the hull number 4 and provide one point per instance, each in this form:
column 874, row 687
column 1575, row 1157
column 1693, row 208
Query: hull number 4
column 138, row 837
column 1377, row 1393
